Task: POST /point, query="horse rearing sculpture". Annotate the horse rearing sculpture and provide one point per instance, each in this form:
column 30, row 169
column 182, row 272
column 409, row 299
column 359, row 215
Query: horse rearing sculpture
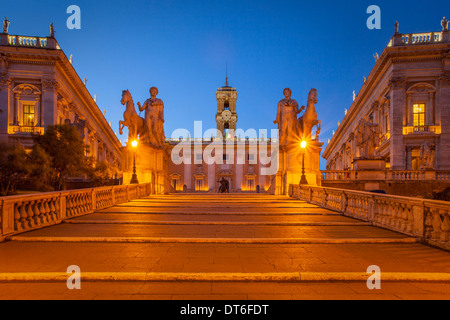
column 309, row 119
column 135, row 124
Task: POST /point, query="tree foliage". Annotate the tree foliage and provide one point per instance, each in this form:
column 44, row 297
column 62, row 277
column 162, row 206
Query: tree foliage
column 58, row 154
column 13, row 168
column 66, row 149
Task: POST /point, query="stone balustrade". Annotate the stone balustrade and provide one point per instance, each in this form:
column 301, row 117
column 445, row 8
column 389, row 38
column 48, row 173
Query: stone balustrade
column 389, row 175
column 428, row 220
column 27, row 41
column 418, row 38
column 27, row 212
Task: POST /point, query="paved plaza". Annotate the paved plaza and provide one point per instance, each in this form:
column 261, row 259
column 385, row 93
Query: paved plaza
column 223, row 247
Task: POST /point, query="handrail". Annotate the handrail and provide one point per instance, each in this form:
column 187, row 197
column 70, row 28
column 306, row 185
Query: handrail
column 389, row 175
column 22, row 213
column 428, row 220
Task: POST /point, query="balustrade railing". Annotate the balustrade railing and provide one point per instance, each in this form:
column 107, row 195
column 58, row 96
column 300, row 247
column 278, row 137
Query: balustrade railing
column 27, row 212
column 389, row 175
column 428, row 220
column 417, row 38
column 27, row 41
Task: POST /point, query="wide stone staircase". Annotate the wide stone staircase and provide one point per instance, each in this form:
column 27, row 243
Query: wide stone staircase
column 224, row 247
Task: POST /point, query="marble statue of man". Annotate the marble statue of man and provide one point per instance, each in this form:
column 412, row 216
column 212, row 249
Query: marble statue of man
column 5, row 25
column 52, row 30
column 444, row 24
column 426, row 156
column 287, row 117
column 367, row 138
column 154, row 118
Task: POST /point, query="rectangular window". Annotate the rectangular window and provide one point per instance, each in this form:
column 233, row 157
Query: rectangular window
column 28, row 115
column 419, row 116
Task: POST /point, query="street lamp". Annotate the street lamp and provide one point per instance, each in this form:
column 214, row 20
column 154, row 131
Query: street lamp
column 303, row 148
column 134, row 179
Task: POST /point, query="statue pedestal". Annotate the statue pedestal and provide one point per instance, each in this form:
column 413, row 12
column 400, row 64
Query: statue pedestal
column 371, row 170
column 290, row 165
column 369, row 164
column 151, row 166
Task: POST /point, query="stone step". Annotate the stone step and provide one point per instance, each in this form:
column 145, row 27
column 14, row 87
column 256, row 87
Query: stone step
column 224, row 277
column 298, row 234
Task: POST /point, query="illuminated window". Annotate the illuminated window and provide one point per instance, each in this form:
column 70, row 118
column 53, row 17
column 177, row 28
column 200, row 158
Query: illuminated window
column 28, row 115
column 419, row 115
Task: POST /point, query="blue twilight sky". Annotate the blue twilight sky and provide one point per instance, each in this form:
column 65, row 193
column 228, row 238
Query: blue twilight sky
column 182, row 47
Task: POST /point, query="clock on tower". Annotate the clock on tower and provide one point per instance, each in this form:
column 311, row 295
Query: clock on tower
column 226, row 116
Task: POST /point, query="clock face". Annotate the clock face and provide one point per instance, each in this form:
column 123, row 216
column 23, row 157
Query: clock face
column 226, row 115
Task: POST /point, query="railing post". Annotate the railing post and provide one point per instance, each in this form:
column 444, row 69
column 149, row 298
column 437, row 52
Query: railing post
column 94, row 200
column 343, row 202
column 113, row 196
column 62, row 207
column 419, row 220
column 371, row 210
column 7, row 218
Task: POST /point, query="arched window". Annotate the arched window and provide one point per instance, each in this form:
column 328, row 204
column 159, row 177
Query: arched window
column 27, row 105
column 226, row 105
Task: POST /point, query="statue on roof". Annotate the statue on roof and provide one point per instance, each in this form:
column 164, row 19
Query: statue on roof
column 5, row 25
column 444, row 24
column 52, row 30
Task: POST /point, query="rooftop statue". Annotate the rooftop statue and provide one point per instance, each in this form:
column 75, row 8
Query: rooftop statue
column 444, row 24
column 5, row 25
column 52, row 30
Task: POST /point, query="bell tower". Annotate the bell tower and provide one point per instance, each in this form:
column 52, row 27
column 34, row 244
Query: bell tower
column 226, row 117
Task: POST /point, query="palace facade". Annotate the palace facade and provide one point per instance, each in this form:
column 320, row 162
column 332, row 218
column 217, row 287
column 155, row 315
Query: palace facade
column 39, row 87
column 198, row 165
column 398, row 127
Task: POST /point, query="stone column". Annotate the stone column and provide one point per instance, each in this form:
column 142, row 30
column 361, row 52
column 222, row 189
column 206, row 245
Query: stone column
column 410, row 111
column 397, row 150
column 49, row 102
column 430, row 118
column 443, row 151
column 239, row 165
column 5, row 103
column 15, row 119
column 408, row 158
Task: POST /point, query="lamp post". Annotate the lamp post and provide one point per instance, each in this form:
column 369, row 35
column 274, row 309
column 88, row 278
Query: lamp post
column 134, row 179
column 303, row 177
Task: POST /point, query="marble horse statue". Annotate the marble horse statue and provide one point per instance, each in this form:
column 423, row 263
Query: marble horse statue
column 309, row 119
column 135, row 124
